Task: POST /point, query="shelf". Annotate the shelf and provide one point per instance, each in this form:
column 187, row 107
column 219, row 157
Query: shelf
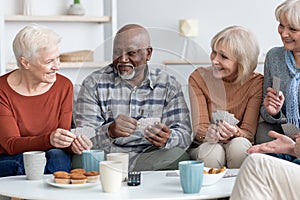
column 193, row 62
column 60, row 18
column 185, row 62
column 69, row 65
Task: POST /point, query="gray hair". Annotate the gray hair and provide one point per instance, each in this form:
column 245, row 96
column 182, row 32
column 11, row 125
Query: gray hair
column 242, row 45
column 291, row 10
column 33, row 38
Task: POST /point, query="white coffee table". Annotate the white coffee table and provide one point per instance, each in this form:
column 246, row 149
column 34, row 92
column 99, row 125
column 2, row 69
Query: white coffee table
column 155, row 185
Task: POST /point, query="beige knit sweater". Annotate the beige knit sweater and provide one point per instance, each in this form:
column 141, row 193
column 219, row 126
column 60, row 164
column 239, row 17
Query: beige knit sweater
column 208, row 94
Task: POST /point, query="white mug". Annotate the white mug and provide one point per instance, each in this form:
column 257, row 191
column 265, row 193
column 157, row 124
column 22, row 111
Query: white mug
column 111, row 176
column 121, row 157
column 34, row 164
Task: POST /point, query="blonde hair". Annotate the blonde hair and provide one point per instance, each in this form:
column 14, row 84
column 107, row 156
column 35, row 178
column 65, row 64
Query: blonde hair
column 242, row 45
column 291, row 10
column 33, row 38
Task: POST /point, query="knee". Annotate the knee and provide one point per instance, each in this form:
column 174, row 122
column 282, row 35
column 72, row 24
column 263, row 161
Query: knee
column 252, row 161
column 213, row 155
column 11, row 168
column 236, row 152
column 57, row 160
column 238, row 145
column 57, row 154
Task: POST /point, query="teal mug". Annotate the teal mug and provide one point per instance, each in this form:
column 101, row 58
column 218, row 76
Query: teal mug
column 191, row 176
column 91, row 159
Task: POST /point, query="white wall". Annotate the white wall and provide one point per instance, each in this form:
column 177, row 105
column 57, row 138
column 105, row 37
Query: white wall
column 160, row 17
column 213, row 15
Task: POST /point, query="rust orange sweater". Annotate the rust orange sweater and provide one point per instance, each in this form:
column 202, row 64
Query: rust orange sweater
column 208, row 94
column 27, row 121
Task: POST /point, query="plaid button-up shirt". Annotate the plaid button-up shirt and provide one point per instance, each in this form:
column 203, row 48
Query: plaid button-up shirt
column 104, row 95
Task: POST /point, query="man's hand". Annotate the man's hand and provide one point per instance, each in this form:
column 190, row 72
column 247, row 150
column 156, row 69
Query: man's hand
column 273, row 103
column 158, row 134
column 123, row 126
column 282, row 145
column 61, row 138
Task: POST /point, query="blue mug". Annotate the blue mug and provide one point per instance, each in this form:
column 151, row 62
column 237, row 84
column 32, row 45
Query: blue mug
column 191, row 176
column 91, row 159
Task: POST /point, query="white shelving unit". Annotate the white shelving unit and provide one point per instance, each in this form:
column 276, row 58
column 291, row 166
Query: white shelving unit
column 62, row 18
column 68, row 65
column 109, row 12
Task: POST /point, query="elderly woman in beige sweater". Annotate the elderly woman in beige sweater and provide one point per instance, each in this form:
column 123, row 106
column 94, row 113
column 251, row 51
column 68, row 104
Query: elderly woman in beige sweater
column 230, row 85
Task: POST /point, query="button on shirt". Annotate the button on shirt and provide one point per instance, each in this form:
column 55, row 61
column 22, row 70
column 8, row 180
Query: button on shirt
column 104, row 95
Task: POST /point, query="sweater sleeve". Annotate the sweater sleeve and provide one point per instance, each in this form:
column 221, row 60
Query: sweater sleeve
column 199, row 107
column 65, row 117
column 268, row 76
column 247, row 126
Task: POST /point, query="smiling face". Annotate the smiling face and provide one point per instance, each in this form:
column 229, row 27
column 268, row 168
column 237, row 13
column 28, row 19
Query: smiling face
column 43, row 68
column 290, row 36
column 224, row 65
column 131, row 52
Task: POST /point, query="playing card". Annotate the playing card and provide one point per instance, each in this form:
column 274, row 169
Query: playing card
column 214, row 117
column 276, row 84
column 144, row 122
column 87, row 131
column 290, row 129
column 222, row 114
column 225, row 116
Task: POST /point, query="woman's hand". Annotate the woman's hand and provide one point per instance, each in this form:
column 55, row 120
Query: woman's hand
column 226, row 130
column 81, row 143
column 212, row 135
column 61, row 138
column 272, row 103
column 297, row 148
column 282, row 145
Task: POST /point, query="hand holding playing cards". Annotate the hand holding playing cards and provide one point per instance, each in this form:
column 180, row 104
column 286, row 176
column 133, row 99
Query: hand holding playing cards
column 61, row 138
column 123, row 126
column 158, row 134
column 81, row 143
column 226, row 130
column 272, row 102
column 212, row 135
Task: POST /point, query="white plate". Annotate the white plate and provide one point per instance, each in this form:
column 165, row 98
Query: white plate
column 50, row 181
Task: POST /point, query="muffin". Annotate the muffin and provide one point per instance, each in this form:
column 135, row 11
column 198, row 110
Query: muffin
column 61, row 177
column 92, row 176
column 77, row 178
column 77, row 171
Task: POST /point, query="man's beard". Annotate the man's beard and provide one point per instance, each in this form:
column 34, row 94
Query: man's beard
column 126, row 75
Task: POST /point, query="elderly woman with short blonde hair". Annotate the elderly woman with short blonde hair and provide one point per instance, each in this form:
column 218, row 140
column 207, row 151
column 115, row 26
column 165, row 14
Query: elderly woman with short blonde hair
column 230, row 87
